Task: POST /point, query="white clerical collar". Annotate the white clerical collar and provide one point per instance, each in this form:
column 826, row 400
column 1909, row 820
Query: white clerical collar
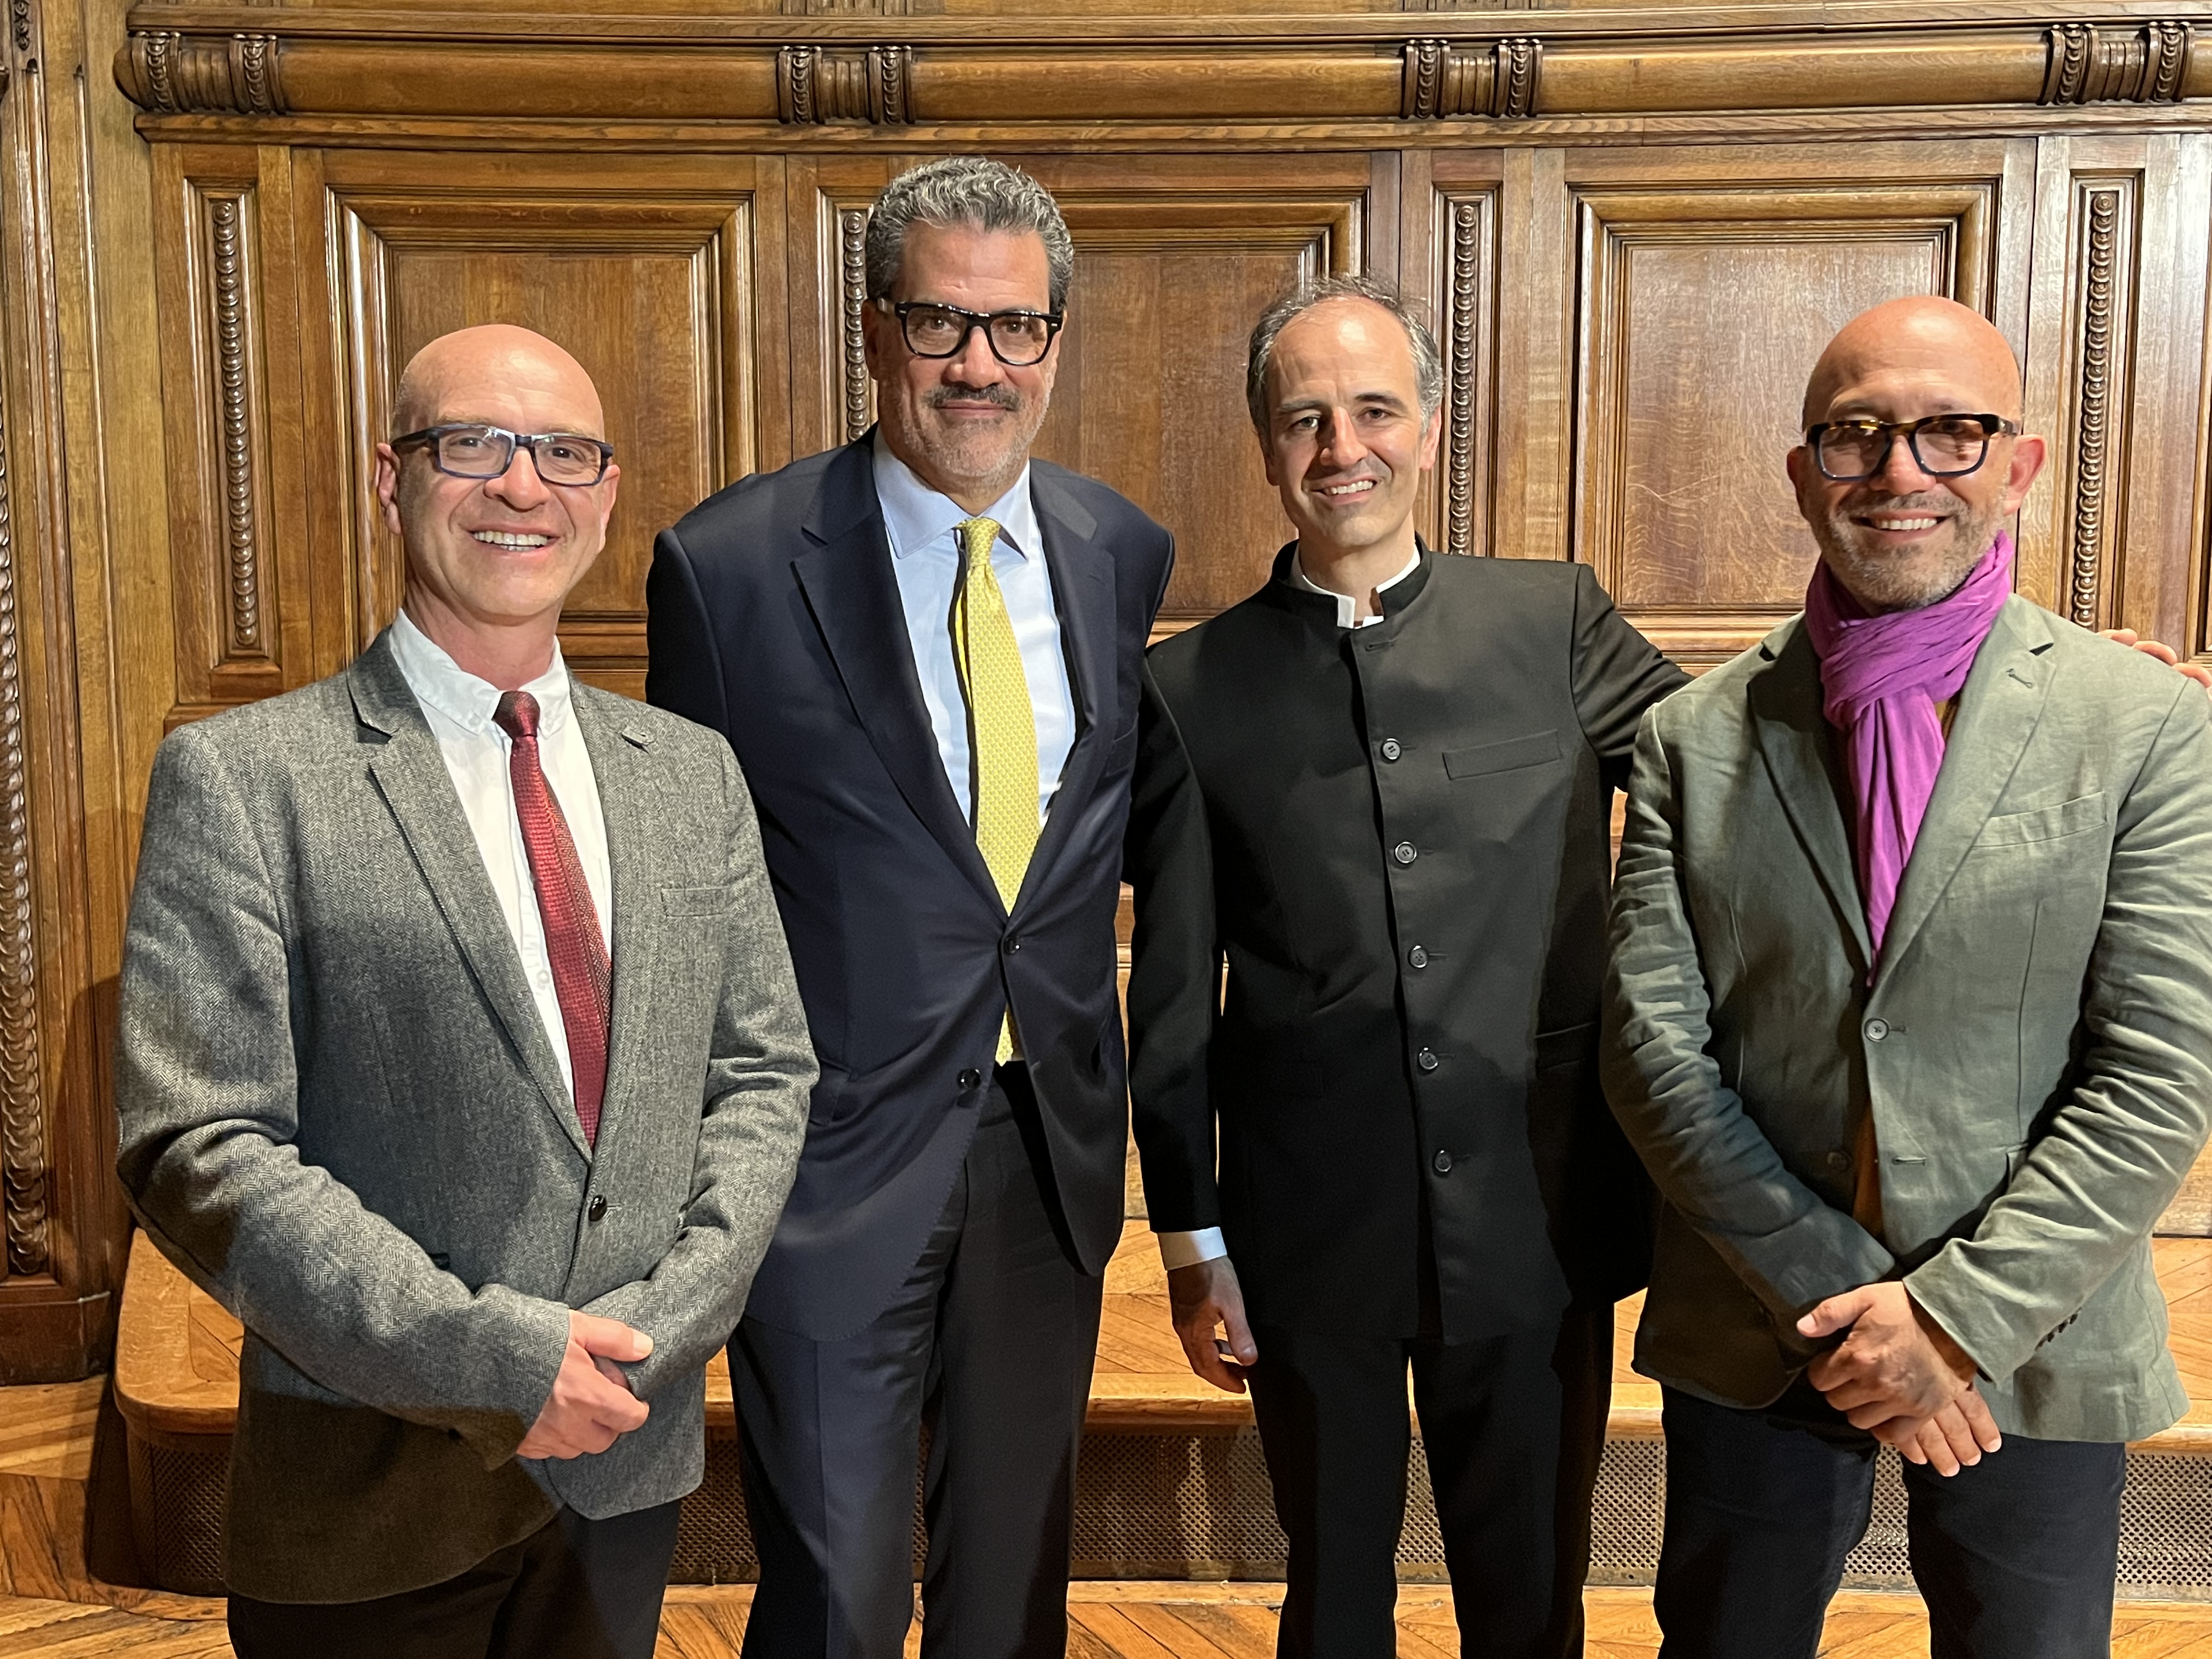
column 1348, row 608
column 915, row 515
column 442, row 683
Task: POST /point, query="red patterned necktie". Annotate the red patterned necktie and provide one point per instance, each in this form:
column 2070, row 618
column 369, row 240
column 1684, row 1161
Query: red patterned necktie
column 582, row 975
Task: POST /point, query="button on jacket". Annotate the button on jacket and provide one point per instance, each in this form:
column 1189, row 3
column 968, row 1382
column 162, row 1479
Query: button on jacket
column 1345, row 1071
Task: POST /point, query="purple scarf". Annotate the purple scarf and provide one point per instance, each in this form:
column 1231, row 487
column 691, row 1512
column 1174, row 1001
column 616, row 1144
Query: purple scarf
column 1881, row 678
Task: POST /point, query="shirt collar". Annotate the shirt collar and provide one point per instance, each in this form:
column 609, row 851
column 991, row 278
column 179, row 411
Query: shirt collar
column 915, row 515
column 1348, row 608
column 439, row 682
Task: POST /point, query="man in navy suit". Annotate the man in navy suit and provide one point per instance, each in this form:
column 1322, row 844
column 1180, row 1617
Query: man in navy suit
column 903, row 638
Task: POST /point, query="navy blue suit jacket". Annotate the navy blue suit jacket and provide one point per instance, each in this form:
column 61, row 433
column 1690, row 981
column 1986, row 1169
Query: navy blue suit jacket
column 773, row 617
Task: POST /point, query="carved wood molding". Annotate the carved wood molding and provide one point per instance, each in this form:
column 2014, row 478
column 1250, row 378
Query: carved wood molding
column 2101, row 207
column 23, row 1163
column 1464, row 275
column 1443, row 80
column 170, row 73
column 819, row 84
column 853, row 291
column 314, row 62
column 230, row 324
column 2093, row 65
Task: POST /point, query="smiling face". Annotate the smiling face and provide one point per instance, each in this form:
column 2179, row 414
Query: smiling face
column 965, row 423
column 1903, row 539
column 487, row 557
column 1346, row 441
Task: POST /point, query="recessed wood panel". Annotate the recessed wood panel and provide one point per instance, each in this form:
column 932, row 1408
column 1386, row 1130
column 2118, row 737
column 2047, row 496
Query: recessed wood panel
column 645, row 272
column 1702, row 306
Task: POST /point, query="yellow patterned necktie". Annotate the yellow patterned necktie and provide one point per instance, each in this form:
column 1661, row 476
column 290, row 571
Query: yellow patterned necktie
column 1001, row 723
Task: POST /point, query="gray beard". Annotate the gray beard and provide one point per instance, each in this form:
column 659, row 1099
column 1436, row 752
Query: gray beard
column 1889, row 581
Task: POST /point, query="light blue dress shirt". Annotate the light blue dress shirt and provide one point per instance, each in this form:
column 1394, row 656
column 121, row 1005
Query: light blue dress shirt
column 926, row 559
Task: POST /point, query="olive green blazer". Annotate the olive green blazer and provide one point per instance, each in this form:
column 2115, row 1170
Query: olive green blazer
column 2036, row 1050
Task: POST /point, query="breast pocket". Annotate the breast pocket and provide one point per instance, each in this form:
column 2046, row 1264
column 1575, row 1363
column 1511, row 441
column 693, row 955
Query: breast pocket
column 1504, row 793
column 695, row 901
column 1514, row 755
column 2069, row 817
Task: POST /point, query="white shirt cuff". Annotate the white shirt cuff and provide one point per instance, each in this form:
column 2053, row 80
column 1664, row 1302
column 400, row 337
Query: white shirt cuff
column 1189, row 1249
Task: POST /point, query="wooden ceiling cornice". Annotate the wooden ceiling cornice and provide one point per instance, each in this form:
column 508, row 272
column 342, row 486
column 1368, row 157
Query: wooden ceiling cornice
column 992, row 73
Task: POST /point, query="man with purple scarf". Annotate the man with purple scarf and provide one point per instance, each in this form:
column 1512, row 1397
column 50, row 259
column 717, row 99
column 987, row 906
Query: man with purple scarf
column 1911, row 1018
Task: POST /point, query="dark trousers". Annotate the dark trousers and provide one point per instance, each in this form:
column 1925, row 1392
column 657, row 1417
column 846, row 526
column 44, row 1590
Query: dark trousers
column 2014, row 1556
column 989, row 1342
column 575, row 1589
column 1513, row 1426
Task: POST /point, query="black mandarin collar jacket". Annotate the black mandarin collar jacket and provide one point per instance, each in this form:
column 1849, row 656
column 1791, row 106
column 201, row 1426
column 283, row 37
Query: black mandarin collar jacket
column 1397, row 837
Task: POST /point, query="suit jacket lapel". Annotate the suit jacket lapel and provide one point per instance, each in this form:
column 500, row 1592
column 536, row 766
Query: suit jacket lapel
column 410, row 772
column 621, row 767
column 1083, row 592
column 846, row 577
column 1794, row 741
column 1998, row 709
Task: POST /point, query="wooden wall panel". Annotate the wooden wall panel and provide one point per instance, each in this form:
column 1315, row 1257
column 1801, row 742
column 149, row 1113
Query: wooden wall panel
column 647, row 271
column 1708, row 285
column 1175, row 261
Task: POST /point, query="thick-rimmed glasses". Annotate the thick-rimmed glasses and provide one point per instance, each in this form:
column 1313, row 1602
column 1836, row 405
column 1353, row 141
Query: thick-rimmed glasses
column 1943, row 446
column 1017, row 339
column 469, row 450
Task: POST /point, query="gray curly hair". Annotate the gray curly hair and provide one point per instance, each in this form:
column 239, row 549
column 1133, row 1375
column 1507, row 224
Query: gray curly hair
column 1428, row 362
column 965, row 190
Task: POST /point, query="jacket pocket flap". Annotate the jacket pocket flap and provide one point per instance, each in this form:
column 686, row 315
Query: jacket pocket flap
column 2069, row 817
column 695, row 901
column 1514, row 753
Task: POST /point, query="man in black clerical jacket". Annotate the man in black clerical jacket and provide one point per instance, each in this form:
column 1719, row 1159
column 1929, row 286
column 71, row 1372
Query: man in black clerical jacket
column 1380, row 787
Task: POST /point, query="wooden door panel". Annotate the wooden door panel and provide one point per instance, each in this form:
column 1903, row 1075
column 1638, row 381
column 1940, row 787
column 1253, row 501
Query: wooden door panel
column 649, row 269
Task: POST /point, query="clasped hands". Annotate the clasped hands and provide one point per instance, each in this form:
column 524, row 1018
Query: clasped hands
column 590, row 1406
column 1899, row 1375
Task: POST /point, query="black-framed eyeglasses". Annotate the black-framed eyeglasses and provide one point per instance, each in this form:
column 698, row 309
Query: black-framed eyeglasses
column 1943, row 446
column 1017, row 339
column 467, row 449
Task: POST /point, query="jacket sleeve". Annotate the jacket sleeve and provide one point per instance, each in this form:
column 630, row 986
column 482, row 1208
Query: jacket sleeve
column 684, row 661
column 1175, row 976
column 752, row 1121
column 1618, row 674
column 1708, row 1157
column 2119, row 1145
column 207, row 1095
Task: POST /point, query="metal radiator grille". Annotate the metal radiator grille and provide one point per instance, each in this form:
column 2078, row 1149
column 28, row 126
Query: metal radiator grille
column 188, row 1497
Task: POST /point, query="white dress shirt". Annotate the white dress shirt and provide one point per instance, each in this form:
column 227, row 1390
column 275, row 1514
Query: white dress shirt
column 458, row 706
column 1207, row 1244
column 926, row 559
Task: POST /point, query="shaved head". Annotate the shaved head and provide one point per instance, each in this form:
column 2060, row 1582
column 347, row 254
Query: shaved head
column 439, row 379
column 1923, row 333
column 1904, row 537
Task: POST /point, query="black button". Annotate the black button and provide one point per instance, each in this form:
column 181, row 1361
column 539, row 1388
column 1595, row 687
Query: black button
column 1444, row 1163
column 1391, row 750
column 971, row 1078
column 1404, row 852
column 1013, row 944
column 598, row 1207
column 1839, row 1160
column 1418, row 956
column 1427, row 1060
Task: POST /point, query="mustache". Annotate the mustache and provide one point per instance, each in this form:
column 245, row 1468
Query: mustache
column 1931, row 504
column 1003, row 396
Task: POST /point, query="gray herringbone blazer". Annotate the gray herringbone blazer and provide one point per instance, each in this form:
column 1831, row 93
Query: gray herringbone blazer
column 2036, row 1052
column 341, row 1116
